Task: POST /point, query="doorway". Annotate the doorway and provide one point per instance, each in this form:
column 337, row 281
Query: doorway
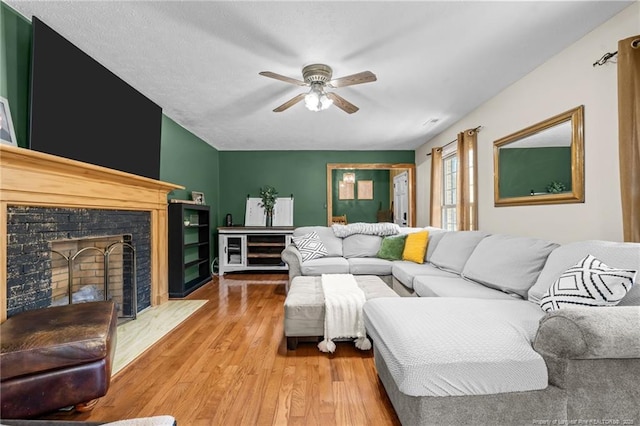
column 401, row 198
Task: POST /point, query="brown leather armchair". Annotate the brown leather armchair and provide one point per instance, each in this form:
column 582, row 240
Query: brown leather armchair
column 56, row 357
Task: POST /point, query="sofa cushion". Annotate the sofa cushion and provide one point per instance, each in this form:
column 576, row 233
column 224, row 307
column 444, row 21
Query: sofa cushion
column 369, row 266
column 508, row 263
column 457, row 346
column 614, row 254
column 325, row 265
column 310, row 246
column 454, row 248
column 588, row 283
column 438, row 286
column 435, row 235
column 391, row 248
column 405, row 271
column 360, row 245
column 332, row 243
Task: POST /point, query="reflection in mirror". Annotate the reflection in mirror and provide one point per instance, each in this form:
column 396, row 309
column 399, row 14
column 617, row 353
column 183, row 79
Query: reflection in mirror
column 542, row 164
column 371, row 192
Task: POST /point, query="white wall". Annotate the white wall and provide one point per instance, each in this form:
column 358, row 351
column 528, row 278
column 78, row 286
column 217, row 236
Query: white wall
column 564, row 82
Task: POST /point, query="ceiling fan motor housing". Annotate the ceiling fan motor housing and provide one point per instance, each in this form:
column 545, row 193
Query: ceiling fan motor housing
column 317, row 73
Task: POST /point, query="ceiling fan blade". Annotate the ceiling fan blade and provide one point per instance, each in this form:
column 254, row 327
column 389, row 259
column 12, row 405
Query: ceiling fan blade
column 350, row 80
column 291, row 102
column 342, row 103
column 282, row 78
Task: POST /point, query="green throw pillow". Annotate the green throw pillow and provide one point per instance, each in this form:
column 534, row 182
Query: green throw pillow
column 392, row 247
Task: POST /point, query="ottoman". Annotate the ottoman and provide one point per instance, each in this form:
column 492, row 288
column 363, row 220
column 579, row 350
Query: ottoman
column 56, row 357
column 304, row 306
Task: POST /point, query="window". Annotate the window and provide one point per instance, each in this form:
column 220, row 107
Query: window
column 449, row 195
column 453, row 184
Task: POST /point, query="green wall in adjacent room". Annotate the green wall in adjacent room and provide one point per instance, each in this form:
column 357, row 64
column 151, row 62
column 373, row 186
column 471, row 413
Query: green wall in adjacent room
column 358, row 210
column 15, row 69
column 301, row 173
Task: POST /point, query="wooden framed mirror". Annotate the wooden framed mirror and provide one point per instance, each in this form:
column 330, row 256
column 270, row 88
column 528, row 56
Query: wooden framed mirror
column 385, row 204
column 542, row 164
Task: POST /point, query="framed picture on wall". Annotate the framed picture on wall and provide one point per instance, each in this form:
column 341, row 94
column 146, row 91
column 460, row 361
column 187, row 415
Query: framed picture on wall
column 7, row 134
column 198, row 197
column 365, row 190
column 345, row 191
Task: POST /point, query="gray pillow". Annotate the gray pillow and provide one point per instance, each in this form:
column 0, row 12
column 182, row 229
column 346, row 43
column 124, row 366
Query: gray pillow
column 508, row 263
column 454, row 248
column 332, row 243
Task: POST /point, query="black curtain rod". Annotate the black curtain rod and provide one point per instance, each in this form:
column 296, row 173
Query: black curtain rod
column 456, row 140
column 605, row 58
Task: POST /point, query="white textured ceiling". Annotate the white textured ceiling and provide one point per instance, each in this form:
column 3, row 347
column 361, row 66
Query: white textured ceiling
column 199, row 60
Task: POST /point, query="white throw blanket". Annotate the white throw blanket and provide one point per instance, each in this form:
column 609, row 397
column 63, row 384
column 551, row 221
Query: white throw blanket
column 343, row 301
column 381, row 229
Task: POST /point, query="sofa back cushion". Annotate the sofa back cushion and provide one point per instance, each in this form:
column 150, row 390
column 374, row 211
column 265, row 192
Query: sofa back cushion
column 508, row 263
column 360, row 245
column 332, row 243
column 435, row 235
column 454, row 248
column 614, row 254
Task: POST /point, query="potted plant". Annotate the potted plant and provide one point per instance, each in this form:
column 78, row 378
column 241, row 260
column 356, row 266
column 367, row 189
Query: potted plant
column 269, row 197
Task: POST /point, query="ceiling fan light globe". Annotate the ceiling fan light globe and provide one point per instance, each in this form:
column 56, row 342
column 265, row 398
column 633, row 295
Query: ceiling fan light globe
column 325, row 102
column 311, row 101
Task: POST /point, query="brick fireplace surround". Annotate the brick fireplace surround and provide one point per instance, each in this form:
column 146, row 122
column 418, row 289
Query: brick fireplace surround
column 34, row 179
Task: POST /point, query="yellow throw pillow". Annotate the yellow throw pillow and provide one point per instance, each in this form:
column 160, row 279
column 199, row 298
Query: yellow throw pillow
column 415, row 246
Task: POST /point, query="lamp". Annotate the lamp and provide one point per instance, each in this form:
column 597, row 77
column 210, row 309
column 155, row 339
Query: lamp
column 349, row 177
column 317, row 99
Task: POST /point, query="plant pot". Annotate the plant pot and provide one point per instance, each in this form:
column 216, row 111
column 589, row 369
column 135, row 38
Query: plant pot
column 269, row 221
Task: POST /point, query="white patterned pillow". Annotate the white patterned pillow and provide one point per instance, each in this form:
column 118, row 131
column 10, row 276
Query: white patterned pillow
column 588, row 283
column 310, row 246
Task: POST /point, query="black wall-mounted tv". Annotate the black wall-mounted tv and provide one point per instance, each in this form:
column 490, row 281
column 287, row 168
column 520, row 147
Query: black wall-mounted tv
column 83, row 111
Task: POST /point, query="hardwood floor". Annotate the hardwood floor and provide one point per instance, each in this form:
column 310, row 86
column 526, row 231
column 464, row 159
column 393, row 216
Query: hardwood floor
column 228, row 365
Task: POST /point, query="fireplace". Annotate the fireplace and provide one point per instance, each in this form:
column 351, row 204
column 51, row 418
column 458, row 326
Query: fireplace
column 42, row 241
column 45, row 198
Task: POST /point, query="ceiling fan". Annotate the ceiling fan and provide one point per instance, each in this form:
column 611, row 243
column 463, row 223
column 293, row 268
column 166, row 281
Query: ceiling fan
column 318, row 77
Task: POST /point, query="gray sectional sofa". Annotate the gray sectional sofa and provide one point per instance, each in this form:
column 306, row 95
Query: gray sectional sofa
column 476, row 347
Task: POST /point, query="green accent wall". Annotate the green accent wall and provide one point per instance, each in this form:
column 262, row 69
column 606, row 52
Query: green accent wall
column 187, row 160
column 362, row 210
column 301, row 173
column 523, row 170
column 15, row 69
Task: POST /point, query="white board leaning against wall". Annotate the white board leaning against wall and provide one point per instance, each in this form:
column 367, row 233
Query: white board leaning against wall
column 282, row 213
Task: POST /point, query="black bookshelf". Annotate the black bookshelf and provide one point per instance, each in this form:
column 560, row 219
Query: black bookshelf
column 189, row 248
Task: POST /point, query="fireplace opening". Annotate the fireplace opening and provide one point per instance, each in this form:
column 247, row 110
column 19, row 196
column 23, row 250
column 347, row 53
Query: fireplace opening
column 95, row 268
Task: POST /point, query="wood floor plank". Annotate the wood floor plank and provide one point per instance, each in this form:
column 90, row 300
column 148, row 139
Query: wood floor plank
column 228, row 364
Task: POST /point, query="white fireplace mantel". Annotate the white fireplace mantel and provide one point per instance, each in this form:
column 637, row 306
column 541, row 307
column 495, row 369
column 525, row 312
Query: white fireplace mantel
column 31, row 178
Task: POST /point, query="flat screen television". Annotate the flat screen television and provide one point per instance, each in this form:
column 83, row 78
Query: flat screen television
column 83, row 111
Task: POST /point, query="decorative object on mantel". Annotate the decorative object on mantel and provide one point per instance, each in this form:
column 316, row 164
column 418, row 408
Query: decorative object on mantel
column 7, row 134
column 269, row 197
